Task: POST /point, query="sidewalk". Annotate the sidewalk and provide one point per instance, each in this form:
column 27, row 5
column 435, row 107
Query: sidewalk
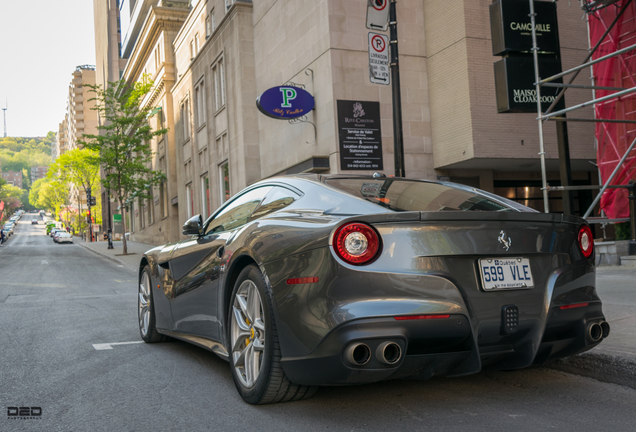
column 613, row 361
column 131, row 261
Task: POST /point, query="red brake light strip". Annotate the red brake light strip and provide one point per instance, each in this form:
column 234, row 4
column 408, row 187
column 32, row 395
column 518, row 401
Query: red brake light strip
column 416, row 317
column 572, row 306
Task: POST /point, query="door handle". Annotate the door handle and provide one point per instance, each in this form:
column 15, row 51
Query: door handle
column 220, row 251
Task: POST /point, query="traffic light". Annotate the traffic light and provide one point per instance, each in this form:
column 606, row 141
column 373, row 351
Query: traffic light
column 92, row 201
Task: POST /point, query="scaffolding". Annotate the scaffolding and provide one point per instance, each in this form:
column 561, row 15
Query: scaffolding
column 623, row 168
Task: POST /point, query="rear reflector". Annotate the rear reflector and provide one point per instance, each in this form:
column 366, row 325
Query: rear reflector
column 416, row 317
column 304, row 280
column 572, row 306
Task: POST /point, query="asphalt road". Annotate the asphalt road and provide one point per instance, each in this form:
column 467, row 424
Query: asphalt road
column 58, row 301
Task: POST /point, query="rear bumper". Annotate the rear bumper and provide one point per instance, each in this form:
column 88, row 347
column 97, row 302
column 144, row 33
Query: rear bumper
column 436, row 347
column 427, row 347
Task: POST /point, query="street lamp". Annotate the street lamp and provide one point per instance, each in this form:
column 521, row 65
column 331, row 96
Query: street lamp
column 110, row 228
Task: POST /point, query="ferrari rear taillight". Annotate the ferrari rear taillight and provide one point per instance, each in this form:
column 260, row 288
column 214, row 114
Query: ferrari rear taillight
column 586, row 241
column 356, row 243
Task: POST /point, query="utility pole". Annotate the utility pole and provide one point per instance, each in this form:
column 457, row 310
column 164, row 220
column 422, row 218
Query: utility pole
column 4, row 111
column 398, row 141
column 89, row 202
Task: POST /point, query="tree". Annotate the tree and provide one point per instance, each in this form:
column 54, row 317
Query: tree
column 80, row 168
column 11, row 196
column 123, row 142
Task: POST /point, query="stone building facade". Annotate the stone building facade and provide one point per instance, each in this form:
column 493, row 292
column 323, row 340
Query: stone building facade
column 225, row 53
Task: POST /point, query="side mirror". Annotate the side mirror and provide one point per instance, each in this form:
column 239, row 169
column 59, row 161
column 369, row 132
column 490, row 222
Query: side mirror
column 193, row 226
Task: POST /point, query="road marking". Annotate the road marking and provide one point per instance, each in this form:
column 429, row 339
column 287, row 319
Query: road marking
column 44, row 262
column 108, row 346
column 119, row 265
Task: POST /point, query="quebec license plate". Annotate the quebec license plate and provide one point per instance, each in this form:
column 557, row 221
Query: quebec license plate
column 505, row 273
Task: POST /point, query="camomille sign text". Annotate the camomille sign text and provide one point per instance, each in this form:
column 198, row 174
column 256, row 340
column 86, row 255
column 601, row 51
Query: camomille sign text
column 285, row 102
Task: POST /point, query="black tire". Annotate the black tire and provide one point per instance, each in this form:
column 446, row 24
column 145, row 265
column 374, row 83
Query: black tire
column 272, row 385
column 147, row 330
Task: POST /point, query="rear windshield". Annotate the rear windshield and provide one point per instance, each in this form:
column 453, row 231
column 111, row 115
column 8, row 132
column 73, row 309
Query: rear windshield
column 408, row 195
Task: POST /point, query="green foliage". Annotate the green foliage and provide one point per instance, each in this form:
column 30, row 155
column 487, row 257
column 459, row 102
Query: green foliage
column 623, row 231
column 12, row 197
column 18, row 154
column 123, row 141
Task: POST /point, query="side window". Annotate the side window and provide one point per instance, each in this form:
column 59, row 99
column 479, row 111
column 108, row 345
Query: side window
column 277, row 199
column 237, row 212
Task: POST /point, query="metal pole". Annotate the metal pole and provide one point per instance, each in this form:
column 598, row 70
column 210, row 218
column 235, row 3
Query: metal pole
column 90, row 216
column 535, row 55
column 609, row 180
column 110, row 228
column 632, row 217
column 593, row 62
column 398, row 140
column 592, row 102
column 591, row 53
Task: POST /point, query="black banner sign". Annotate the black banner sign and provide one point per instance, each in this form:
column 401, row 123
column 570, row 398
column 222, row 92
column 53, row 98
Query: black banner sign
column 514, row 84
column 360, row 136
column 511, row 28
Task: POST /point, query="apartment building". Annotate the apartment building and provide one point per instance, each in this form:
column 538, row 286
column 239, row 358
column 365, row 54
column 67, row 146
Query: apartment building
column 213, row 61
column 38, row 172
column 13, row 178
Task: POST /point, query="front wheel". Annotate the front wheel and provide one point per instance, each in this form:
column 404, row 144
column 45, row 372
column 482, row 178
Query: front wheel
column 254, row 349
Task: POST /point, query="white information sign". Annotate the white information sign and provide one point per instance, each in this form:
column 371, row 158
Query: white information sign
column 379, row 59
column 378, row 14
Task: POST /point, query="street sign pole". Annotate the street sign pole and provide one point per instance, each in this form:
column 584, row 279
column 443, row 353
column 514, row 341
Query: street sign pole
column 398, row 141
column 88, row 202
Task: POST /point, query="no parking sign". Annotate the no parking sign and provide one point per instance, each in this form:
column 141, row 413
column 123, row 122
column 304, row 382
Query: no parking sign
column 379, row 59
column 378, row 14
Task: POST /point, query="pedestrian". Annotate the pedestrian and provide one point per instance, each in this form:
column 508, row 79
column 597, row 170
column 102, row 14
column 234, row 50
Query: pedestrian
column 1, row 236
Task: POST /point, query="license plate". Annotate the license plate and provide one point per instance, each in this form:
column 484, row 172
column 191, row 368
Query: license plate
column 505, row 273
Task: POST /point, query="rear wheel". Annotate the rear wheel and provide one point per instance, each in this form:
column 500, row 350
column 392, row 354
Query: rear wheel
column 254, row 348
column 146, row 310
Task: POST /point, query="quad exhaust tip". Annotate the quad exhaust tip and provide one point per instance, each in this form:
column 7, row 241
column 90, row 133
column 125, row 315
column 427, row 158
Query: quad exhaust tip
column 606, row 329
column 388, row 353
column 595, row 332
column 358, row 354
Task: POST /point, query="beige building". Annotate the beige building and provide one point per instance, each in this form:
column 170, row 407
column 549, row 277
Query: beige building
column 38, row 172
column 214, row 59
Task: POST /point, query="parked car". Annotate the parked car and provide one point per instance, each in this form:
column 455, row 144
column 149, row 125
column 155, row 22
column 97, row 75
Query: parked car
column 34, row 222
column 55, row 230
column 313, row 280
column 8, row 228
column 63, row 237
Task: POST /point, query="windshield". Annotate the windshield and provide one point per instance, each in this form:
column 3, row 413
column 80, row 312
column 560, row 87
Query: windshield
column 408, row 195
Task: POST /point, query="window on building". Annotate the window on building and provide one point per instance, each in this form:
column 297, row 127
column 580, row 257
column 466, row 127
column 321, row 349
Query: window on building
column 208, row 27
column 228, row 4
column 189, row 201
column 205, row 196
column 192, row 51
column 224, row 173
column 163, row 189
column 196, row 44
column 204, row 160
column 142, row 213
column 212, row 21
column 199, row 99
column 219, row 84
column 185, row 120
column 151, row 207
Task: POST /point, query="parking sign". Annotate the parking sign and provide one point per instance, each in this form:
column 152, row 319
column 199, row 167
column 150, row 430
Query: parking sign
column 378, row 14
column 379, row 59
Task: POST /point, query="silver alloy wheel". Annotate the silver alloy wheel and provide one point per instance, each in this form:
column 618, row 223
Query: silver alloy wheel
column 144, row 304
column 247, row 333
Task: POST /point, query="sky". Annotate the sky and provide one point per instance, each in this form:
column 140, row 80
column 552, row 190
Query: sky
column 42, row 41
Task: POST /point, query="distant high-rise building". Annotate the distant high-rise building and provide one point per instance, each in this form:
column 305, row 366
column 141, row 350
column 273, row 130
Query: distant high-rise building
column 38, row 172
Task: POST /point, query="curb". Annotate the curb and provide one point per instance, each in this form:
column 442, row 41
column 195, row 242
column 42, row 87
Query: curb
column 605, row 367
column 103, row 255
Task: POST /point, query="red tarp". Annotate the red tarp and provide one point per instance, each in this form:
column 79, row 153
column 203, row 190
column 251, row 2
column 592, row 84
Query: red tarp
column 620, row 71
